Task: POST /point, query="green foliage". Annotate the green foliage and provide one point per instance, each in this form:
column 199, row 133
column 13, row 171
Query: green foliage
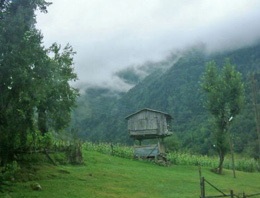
column 19, row 45
column 46, row 141
column 129, row 75
column 177, row 91
column 225, row 93
column 55, row 108
column 172, row 143
column 74, row 153
column 35, row 90
column 241, row 164
column 110, row 176
column 111, row 149
column 176, row 158
column 9, row 171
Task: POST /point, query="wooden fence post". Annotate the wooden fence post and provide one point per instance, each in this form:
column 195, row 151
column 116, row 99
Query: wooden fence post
column 203, row 188
column 112, row 149
column 202, row 184
column 200, row 181
column 231, row 194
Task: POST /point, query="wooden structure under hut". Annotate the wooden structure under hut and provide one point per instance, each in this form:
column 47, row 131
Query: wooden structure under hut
column 149, row 124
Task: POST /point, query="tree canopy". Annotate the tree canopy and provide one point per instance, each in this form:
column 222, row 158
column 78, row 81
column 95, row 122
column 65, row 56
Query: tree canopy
column 33, row 83
column 225, row 99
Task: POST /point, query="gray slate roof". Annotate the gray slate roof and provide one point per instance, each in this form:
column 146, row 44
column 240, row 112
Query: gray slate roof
column 147, row 109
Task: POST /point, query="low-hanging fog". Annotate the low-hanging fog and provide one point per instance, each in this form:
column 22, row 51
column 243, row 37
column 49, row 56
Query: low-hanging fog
column 108, row 36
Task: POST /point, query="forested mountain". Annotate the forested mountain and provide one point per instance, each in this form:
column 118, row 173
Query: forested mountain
column 173, row 86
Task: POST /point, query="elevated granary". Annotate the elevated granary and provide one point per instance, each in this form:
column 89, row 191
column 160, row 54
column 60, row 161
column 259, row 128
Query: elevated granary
column 149, row 123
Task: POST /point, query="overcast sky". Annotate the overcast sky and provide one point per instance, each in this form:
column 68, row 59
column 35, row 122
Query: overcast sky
column 109, row 35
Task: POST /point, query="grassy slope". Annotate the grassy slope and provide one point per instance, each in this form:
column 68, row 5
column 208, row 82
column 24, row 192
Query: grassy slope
column 108, row 176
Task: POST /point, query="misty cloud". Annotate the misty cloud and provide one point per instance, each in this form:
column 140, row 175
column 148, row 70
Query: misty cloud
column 111, row 35
column 114, row 84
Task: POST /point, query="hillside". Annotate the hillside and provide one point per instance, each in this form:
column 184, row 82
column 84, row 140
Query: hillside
column 174, row 89
column 109, row 176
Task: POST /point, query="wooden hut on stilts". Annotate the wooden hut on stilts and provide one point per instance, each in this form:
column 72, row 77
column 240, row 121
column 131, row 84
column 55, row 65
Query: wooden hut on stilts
column 149, row 124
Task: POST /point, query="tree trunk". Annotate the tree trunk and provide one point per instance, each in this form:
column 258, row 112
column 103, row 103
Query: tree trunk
column 221, row 160
column 26, row 127
column 42, row 120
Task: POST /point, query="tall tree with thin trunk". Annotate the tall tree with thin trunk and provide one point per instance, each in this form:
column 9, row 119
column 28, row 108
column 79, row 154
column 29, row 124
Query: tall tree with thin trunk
column 225, row 99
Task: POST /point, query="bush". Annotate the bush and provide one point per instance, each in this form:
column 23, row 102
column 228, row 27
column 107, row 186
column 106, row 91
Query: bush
column 47, row 141
column 9, row 171
column 111, row 149
column 74, row 153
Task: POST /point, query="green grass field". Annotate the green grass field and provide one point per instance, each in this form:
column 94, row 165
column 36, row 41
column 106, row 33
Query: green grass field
column 109, row 176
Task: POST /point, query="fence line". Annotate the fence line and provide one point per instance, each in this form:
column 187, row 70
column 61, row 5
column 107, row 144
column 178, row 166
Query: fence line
column 232, row 194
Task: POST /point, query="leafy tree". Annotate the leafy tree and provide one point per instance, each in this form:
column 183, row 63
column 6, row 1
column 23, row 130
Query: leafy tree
column 29, row 77
column 19, row 47
column 225, row 93
column 54, row 109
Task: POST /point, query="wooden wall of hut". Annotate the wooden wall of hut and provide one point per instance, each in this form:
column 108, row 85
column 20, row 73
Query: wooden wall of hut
column 147, row 123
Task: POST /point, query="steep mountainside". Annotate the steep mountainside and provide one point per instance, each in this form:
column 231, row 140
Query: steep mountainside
column 101, row 112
